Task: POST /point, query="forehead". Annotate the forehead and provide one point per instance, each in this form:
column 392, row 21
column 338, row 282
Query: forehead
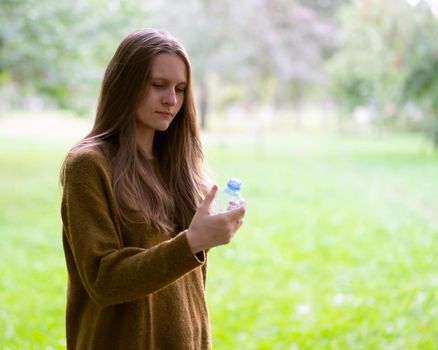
column 169, row 67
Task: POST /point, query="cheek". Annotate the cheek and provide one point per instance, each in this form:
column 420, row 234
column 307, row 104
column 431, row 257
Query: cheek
column 141, row 109
column 183, row 98
column 180, row 103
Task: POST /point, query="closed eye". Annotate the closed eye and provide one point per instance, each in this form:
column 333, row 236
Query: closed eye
column 157, row 85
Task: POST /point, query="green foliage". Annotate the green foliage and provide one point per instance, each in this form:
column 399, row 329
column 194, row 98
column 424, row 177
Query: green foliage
column 365, row 69
column 387, row 57
column 338, row 250
column 58, row 49
column 421, row 85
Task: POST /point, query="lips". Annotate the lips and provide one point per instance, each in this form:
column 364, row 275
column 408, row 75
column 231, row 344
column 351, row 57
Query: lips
column 165, row 114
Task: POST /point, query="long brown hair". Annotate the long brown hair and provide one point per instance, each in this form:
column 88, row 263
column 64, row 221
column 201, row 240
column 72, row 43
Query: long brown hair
column 167, row 201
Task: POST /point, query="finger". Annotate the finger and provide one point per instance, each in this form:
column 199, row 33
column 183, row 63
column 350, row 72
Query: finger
column 205, row 205
column 238, row 224
column 238, row 213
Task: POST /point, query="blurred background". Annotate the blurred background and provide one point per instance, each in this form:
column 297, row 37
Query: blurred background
column 327, row 110
column 310, row 63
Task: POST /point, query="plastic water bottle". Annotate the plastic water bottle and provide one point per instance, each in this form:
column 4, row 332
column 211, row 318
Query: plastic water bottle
column 228, row 197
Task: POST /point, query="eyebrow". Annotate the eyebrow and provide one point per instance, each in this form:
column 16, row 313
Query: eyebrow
column 157, row 77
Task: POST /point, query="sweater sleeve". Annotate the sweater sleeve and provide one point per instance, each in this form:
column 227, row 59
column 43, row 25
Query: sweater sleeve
column 111, row 273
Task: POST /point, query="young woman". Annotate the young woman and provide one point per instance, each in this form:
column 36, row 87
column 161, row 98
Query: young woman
column 135, row 208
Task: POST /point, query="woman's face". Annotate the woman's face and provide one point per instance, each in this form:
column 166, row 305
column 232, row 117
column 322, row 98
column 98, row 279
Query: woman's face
column 164, row 94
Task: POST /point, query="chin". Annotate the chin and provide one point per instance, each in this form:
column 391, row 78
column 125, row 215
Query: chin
column 162, row 127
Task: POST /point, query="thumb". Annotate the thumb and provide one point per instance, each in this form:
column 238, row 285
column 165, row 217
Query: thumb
column 205, row 205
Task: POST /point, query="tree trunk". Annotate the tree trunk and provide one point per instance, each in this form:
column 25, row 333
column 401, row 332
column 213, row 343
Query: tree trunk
column 297, row 97
column 203, row 103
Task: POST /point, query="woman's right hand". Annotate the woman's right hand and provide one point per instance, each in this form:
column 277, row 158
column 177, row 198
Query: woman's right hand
column 207, row 231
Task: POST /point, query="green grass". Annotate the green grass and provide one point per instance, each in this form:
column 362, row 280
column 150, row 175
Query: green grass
column 339, row 249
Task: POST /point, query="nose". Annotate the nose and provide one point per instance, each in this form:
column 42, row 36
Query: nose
column 169, row 97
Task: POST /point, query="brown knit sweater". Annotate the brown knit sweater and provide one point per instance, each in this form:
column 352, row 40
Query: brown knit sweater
column 128, row 286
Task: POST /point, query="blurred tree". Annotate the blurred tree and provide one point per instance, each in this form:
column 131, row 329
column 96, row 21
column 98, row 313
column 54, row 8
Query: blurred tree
column 57, row 49
column 273, row 49
column 366, row 65
column 327, row 8
column 297, row 40
column 253, row 52
column 421, row 83
column 387, row 58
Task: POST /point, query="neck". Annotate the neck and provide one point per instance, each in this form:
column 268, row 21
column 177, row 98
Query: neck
column 145, row 140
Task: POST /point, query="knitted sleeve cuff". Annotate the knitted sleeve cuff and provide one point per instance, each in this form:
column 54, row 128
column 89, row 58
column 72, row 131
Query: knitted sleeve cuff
column 200, row 256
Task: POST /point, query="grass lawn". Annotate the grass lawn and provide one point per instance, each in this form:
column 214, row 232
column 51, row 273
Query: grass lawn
column 339, row 249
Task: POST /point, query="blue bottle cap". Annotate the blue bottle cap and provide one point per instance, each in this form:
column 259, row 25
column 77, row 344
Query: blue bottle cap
column 234, row 184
